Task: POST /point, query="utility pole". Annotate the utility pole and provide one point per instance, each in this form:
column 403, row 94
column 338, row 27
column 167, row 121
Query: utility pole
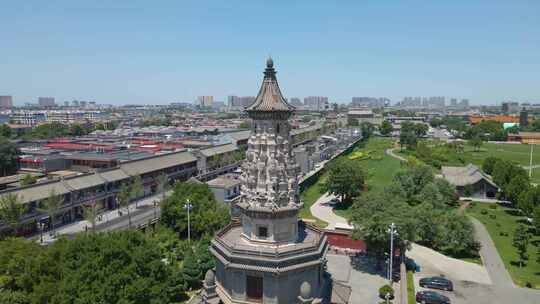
column 188, row 207
column 531, row 161
column 392, row 231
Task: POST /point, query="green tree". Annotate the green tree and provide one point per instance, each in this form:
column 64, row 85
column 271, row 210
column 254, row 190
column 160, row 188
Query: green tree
column 386, row 128
column 488, row 164
column 367, row 129
column 420, row 129
column 121, row 267
column 521, row 242
column 346, row 179
column 77, row 130
column 529, row 200
column 137, row 189
column 11, row 211
column 244, row 125
column 410, row 183
column 206, row 215
column 28, row 179
column 8, row 157
column 5, row 131
column 192, row 271
column 123, row 199
column 407, row 139
column 52, row 206
column 515, row 187
column 536, row 218
column 99, row 126
column 476, row 142
column 90, row 214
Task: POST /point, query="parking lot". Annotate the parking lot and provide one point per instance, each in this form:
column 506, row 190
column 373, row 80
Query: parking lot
column 472, row 283
column 361, row 276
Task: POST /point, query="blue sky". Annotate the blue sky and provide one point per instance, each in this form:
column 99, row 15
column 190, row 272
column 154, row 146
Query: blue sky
column 163, row 51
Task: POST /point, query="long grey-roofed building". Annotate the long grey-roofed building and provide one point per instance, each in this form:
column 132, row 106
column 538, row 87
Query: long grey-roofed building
column 99, row 188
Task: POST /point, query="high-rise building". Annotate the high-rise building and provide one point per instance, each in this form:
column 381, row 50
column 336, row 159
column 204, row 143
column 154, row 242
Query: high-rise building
column 6, row 102
column 46, row 101
column 370, row 102
column 453, row 102
column 270, row 256
column 524, row 117
column 316, row 103
column 510, row 107
column 295, row 101
column 464, row 103
column 205, row 101
column 239, row 102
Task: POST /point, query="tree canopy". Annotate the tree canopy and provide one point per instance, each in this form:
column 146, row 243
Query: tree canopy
column 345, row 179
column 206, row 215
column 386, row 128
column 420, row 206
column 8, row 157
column 120, row 267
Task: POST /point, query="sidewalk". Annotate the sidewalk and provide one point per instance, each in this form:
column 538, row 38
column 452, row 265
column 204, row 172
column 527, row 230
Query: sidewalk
column 321, row 209
column 103, row 218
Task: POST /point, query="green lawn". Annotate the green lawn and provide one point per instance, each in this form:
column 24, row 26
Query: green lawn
column 518, row 153
column 379, row 167
column 504, row 220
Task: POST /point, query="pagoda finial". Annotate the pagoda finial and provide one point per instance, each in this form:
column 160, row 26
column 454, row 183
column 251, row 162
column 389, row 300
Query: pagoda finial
column 269, row 62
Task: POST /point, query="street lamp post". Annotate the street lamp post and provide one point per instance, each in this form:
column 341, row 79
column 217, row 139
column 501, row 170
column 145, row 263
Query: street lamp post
column 392, row 231
column 188, row 207
column 155, row 212
column 40, row 226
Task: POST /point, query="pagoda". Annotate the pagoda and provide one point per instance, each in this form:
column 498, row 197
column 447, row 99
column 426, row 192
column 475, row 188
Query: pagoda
column 269, row 256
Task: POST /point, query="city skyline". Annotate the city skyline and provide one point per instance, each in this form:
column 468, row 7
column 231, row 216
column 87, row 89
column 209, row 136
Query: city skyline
column 138, row 53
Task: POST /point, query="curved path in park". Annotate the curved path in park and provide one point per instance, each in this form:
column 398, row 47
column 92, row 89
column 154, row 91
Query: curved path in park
column 390, row 152
column 322, row 210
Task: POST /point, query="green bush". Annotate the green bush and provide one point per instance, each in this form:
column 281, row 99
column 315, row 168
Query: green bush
column 385, row 289
column 492, row 216
column 483, row 212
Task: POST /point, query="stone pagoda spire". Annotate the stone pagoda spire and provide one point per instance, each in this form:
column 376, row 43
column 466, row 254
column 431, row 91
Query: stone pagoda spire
column 270, row 178
column 270, row 257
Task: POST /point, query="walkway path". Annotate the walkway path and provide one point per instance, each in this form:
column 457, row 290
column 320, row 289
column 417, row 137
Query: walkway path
column 322, row 210
column 111, row 219
column 490, row 256
column 398, row 157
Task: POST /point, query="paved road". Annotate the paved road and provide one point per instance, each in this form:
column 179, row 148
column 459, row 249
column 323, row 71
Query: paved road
column 324, row 211
column 490, row 257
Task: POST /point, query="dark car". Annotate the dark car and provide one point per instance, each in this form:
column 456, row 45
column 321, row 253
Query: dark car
column 437, row 283
column 431, row 297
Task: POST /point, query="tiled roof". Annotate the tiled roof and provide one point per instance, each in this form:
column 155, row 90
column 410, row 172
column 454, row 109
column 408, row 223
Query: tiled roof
column 40, row 192
column 157, row 163
column 82, row 182
column 270, row 98
column 218, row 150
column 462, row 176
column 114, row 175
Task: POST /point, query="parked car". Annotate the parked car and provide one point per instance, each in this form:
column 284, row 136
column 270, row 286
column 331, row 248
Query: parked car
column 437, row 283
column 431, row 297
